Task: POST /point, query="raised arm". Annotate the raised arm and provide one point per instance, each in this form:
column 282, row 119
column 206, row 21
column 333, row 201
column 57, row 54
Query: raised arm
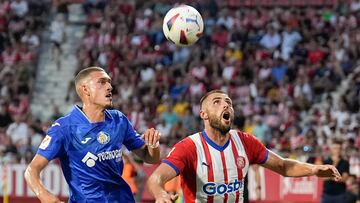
column 293, row 168
column 150, row 152
column 156, row 183
column 32, row 177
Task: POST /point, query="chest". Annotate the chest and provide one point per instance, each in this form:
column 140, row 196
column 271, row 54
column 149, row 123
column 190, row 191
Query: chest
column 341, row 165
column 94, row 139
column 227, row 166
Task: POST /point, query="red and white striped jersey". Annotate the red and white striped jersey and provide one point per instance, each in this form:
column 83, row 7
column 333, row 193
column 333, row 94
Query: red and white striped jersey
column 212, row 173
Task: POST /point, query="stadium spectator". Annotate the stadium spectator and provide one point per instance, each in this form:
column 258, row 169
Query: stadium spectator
column 18, row 131
column 336, row 191
column 271, row 40
column 352, row 189
column 57, row 37
column 19, row 7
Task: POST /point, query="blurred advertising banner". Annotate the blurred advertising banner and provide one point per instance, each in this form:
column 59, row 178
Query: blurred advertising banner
column 18, row 191
column 274, row 188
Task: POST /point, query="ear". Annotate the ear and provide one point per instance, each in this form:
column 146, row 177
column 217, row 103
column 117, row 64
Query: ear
column 203, row 115
column 85, row 90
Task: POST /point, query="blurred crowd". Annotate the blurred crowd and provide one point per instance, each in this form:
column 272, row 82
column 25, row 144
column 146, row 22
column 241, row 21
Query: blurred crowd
column 21, row 23
column 275, row 63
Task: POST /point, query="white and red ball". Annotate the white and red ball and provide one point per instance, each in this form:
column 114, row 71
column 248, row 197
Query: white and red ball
column 183, row 25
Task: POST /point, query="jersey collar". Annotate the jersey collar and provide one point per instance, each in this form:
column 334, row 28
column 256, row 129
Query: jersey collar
column 213, row 144
column 80, row 114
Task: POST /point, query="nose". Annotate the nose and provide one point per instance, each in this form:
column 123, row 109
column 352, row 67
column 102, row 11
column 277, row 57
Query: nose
column 226, row 105
column 109, row 88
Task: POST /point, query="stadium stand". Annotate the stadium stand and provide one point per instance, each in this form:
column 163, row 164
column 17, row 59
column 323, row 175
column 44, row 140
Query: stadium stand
column 21, row 23
column 292, row 68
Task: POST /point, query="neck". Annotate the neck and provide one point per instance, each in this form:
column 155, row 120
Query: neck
column 335, row 157
column 216, row 136
column 94, row 114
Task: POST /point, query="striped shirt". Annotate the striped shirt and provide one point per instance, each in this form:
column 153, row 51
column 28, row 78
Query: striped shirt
column 213, row 173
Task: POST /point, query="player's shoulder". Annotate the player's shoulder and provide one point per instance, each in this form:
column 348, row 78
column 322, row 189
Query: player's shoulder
column 243, row 136
column 240, row 134
column 115, row 114
column 57, row 127
column 186, row 143
column 183, row 150
column 61, row 122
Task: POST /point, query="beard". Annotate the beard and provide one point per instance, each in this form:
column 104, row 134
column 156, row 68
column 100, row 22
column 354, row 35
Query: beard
column 217, row 125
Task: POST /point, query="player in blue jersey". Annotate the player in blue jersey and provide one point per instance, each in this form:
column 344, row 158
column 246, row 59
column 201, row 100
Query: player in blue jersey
column 89, row 142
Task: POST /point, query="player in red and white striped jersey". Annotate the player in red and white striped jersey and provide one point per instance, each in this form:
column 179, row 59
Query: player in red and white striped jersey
column 213, row 163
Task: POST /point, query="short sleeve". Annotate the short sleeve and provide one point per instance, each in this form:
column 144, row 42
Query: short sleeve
column 255, row 150
column 52, row 146
column 182, row 155
column 132, row 139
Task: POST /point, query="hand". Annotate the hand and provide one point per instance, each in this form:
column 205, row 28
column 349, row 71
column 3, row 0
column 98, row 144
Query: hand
column 49, row 198
column 152, row 137
column 327, row 171
column 168, row 198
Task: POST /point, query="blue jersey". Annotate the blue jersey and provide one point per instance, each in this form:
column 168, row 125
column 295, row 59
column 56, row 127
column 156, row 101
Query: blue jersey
column 91, row 155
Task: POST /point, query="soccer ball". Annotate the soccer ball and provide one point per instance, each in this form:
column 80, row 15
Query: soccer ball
column 183, row 25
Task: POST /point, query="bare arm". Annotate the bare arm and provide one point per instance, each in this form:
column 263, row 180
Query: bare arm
column 257, row 181
column 150, row 152
column 156, row 183
column 32, row 177
column 293, row 168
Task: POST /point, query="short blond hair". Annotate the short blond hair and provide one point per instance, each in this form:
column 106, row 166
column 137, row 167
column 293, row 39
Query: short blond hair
column 84, row 73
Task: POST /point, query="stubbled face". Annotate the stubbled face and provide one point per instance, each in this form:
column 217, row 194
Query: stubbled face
column 219, row 112
column 99, row 89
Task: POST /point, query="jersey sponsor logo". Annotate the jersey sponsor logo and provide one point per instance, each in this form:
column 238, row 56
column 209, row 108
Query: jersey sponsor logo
column 85, row 140
column 90, row 159
column 108, row 155
column 241, row 162
column 211, row 188
column 45, row 142
column 103, row 138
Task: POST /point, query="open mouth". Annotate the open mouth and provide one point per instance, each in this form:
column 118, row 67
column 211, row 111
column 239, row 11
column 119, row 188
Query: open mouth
column 226, row 116
column 109, row 96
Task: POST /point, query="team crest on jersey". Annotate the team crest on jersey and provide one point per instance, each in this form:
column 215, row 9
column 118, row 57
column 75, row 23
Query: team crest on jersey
column 241, row 162
column 103, row 138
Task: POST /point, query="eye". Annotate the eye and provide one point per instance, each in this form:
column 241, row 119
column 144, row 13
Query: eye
column 228, row 101
column 216, row 101
column 102, row 82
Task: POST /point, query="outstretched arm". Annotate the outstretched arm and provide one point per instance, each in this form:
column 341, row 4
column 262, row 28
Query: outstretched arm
column 32, row 177
column 156, row 183
column 150, row 152
column 293, row 168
